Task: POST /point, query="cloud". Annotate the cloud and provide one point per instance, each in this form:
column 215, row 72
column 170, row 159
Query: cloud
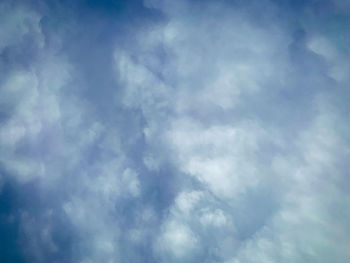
column 242, row 118
column 178, row 241
column 187, row 131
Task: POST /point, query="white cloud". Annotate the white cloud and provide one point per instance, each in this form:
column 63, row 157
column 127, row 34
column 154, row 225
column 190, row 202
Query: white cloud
column 178, row 240
column 305, row 228
column 185, row 201
column 216, row 156
column 215, row 218
column 216, row 137
column 217, row 85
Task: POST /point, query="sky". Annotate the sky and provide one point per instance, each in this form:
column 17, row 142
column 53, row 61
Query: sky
column 161, row 131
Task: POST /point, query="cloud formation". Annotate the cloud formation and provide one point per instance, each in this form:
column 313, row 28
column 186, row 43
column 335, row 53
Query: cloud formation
column 174, row 131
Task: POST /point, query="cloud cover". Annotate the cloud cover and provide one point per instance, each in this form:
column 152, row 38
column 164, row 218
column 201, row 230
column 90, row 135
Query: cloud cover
column 174, row 131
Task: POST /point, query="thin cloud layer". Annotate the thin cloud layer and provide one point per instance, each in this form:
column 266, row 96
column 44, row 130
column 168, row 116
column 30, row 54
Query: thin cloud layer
column 174, row 131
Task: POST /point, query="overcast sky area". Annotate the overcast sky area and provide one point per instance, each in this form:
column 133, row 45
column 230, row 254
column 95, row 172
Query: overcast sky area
column 175, row 131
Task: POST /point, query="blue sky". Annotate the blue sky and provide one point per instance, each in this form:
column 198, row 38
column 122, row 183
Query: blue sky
column 174, row 131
